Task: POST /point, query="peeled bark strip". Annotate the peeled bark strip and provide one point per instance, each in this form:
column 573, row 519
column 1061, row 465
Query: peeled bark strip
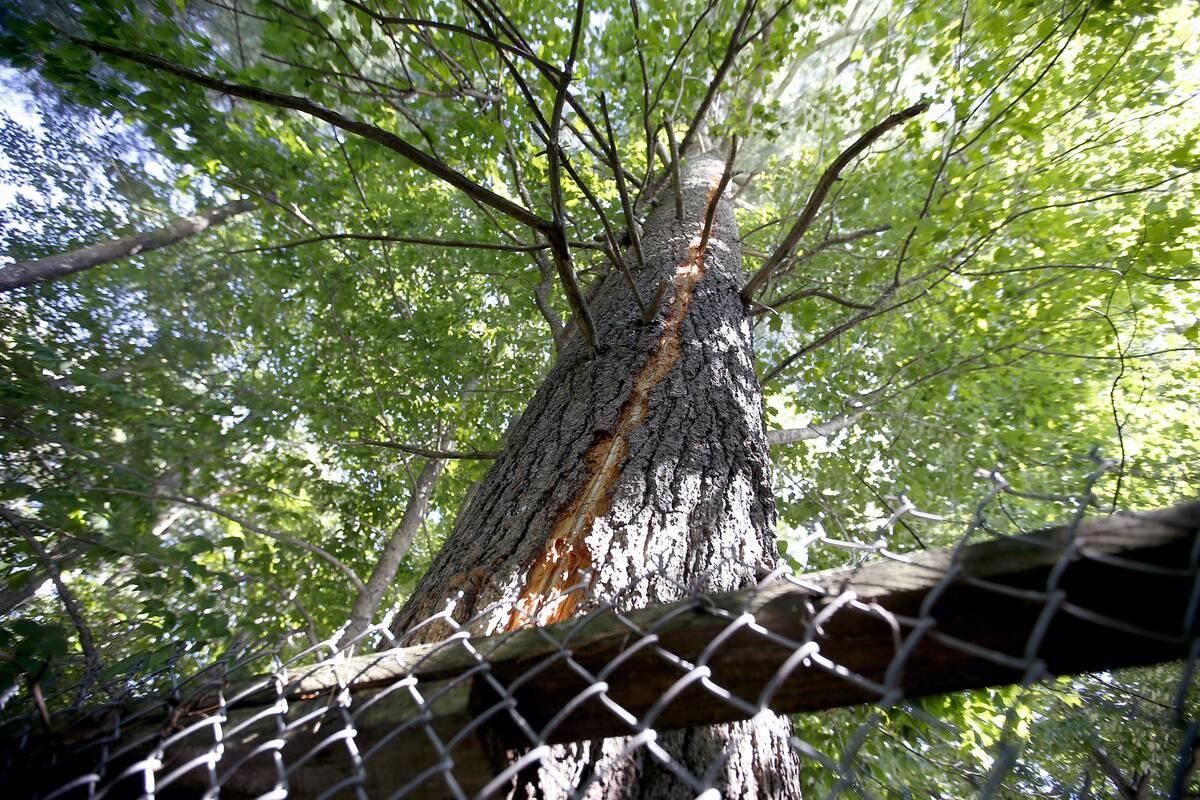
column 639, row 476
column 27, row 273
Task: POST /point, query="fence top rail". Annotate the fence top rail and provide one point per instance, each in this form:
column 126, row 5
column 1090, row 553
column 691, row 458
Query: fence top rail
column 783, row 603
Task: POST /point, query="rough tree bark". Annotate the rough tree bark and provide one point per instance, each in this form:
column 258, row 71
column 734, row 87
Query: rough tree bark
column 642, row 474
column 27, row 273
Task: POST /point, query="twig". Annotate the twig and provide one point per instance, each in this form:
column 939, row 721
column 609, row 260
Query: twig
column 652, row 309
column 39, row 699
column 832, row 241
column 710, row 213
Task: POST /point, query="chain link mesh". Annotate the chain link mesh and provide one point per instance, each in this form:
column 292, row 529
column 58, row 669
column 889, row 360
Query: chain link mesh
column 882, row 664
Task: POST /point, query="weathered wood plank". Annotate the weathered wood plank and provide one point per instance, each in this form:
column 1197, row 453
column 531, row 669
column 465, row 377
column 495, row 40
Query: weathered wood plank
column 780, row 605
column 1099, row 579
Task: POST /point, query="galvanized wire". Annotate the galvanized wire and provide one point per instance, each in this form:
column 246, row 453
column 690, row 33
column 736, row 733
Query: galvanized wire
column 159, row 732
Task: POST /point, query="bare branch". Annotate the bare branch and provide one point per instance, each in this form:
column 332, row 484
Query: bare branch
column 824, row 184
column 417, row 156
column 735, row 46
column 837, row 330
column 652, row 309
column 635, row 239
column 371, row 237
column 782, row 436
column 710, row 213
column 556, row 233
column 397, row 546
column 676, row 181
column 424, row 452
column 762, row 308
column 631, row 228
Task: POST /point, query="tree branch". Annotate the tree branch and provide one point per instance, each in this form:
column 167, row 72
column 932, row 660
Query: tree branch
column 676, row 181
column 831, row 242
column 710, row 213
column 809, row 213
column 783, row 436
column 371, row 237
column 556, row 233
column 86, row 641
column 414, row 22
column 300, row 544
column 424, row 452
column 27, row 273
column 417, row 156
column 631, row 227
column 731, row 52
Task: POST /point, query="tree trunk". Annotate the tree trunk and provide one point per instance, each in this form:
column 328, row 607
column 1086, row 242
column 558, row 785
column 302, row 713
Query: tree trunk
column 640, row 476
column 26, row 273
column 367, row 601
column 11, row 598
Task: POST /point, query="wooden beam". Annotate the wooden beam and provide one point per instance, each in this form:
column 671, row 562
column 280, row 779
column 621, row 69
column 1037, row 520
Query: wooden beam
column 1122, row 591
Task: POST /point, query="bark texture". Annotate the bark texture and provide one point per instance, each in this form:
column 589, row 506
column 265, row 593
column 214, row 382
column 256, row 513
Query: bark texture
column 640, row 476
column 26, row 273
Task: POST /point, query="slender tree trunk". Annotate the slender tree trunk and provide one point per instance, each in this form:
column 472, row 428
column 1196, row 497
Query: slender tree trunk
column 65, row 556
column 643, row 476
column 367, row 602
column 26, row 273
column 11, row 598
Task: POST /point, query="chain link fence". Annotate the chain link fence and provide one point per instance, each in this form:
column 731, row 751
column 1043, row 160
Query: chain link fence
column 939, row 672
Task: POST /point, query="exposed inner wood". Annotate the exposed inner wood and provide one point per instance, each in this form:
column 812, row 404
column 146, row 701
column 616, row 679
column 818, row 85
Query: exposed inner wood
column 557, row 580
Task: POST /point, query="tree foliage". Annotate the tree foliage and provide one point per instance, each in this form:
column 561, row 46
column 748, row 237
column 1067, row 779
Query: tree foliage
column 1006, row 282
